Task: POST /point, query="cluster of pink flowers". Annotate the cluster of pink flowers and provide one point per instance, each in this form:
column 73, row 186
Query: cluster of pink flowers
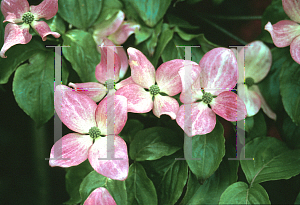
column 206, row 87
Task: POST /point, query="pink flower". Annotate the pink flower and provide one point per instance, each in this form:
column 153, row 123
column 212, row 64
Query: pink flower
column 82, row 115
column 100, row 196
column 116, row 33
column 18, row 11
column 144, row 76
column 258, row 60
column 210, row 93
column 106, row 76
column 287, row 32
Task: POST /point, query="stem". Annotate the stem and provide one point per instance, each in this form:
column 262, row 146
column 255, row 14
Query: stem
column 223, row 30
column 41, row 166
column 233, row 17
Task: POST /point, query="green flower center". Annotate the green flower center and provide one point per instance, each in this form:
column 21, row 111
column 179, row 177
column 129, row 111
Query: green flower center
column 28, row 17
column 94, row 132
column 154, row 90
column 249, row 82
column 207, row 98
column 110, row 84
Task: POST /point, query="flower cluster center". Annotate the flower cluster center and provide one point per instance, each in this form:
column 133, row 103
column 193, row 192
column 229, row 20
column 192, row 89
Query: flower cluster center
column 28, row 18
column 94, row 132
column 110, row 84
column 249, row 82
column 207, row 98
column 154, row 90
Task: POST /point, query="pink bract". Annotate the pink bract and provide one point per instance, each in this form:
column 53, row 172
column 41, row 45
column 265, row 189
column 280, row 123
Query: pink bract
column 100, row 196
column 79, row 113
column 144, row 76
column 217, row 75
column 258, row 61
column 13, row 10
column 115, row 31
column 103, row 73
column 287, row 32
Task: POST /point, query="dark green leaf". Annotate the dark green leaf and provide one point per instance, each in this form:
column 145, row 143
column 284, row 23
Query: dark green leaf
column 131, row 127
column 80, row 13
column 210, row 148
column 193, row 1
column 151, row 43
column 240, row 193
column 91, row 182
column 273, row 13
column 17, row 55
column 259, row 129
column 33, row 87
column 210, row 192
column 117, row 190
column 290, row 89
column 175, row 21
column 163, row 40
column 109, row 9
column 290, row 132
column 74, row 177
column 153, row 143
column 82, row 54
column 298, row 199
column 57, row 24
column 140, row 189
column 151, row 11
column 273, row 160
column 269, row 86
column 172, row 183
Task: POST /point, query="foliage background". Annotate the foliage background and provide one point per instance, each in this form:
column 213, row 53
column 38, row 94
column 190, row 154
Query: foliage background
column 27, row 178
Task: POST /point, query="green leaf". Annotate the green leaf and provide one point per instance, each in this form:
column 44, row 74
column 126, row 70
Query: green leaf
column 260, row 127
column 17, row 55
column 210, row 192
column 56, row 24
column 151, row 11
column 91, row 182
column 290, row 132
column 151, row 43
column 249, row 123
column 217, row 2
column 175, row 21
column 272, row 160
column 117, row 190
column 273, row 13
column 298, row 199
column 172, row 183
column 290, row 89
column 193, row 1
column 240, row 193
column 109, row 9
column 131, row 127
column 210, row 148
column 140, row 189
column 80, row 13
column 74, row 177
column 153, row 143
column 269, row 86
column 82, row 54
column 164, row 38
column 33, row 87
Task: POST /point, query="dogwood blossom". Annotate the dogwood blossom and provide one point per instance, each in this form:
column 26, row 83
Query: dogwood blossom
column 115, row 31
column 18, row 11
column 107, row 79
column 287, row 32
column 210, row 93
column 258, row 60
column 82, row 115
column 100, row 196
column 144, row 77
